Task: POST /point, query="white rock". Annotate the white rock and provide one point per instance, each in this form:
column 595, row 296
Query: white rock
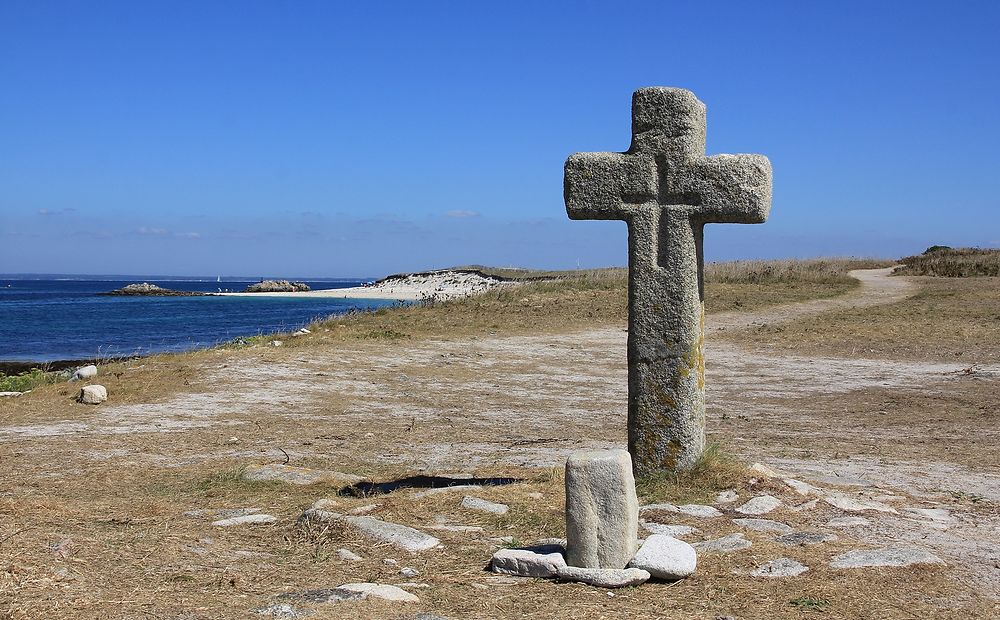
column 276, row 343
column 939, row 515
column 409, row 572
column 727, row 497
column 602, row 511
column 10, row 394
column 84, row 372
column 782, row 567
column 382, row 591
column 254, row 519
column 347, row 554
column 888, row 556
column 764, row 471
column 528, row 562
column 805, row 538
column 857, row 504
column 764, row 525
column 401, row 536
column 468, row 529
column 482, row 505
column 804, row 506
column 802, row 488
column 280, row 610
column 676, row 531
column 325, row 504
column 93, row 395
column 693, row 510
column 665, row 557
column 762, row 504
column 848, row 522
column 360, row 510
column 726, row 544
column 604, row 577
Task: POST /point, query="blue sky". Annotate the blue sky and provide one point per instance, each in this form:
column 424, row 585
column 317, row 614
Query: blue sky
column 357, row 139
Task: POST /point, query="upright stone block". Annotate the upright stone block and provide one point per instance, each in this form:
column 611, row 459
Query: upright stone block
column 602, row 511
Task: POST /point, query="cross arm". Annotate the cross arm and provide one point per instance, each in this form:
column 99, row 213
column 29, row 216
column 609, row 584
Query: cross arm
column 600, row 186
column 731, row 188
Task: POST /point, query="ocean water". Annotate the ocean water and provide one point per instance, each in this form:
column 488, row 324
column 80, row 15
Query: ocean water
column 44, row 320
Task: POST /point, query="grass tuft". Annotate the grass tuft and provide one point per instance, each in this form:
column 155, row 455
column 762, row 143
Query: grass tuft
column 715, row 471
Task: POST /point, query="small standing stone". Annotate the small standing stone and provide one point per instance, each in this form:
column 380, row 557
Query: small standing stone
column 602, row 511
column 665, row 557
column 93, row 395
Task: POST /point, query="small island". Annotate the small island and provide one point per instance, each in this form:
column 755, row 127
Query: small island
column 145, row 289
column 277, row 286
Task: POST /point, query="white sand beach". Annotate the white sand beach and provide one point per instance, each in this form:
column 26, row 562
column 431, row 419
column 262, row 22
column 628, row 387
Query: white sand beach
column 439, row 285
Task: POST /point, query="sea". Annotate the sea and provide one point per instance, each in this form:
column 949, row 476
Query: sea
column 59, row 318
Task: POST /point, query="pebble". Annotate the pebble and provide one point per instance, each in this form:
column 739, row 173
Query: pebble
column 604, row 577
column 762, row 504
column 665, row 557
column 782, row 567
column 254, row 519
column 805, row 538
column 764, row 525
column 888, row 556
column 726, row 544
column 482, row 505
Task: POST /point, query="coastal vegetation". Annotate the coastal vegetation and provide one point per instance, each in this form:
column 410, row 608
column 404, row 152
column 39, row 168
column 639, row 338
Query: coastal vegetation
column 28, row 380
column 943, row 261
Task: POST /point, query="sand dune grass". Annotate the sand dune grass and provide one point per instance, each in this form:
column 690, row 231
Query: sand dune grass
column 952, row 263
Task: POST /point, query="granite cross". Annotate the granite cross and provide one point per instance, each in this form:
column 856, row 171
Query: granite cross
column 666, row 189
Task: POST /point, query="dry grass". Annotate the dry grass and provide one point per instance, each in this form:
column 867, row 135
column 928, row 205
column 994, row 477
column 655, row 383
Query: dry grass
column 952, row 263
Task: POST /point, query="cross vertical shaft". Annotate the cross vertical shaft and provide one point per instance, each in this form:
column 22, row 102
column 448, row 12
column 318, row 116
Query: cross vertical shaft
column 667, row 190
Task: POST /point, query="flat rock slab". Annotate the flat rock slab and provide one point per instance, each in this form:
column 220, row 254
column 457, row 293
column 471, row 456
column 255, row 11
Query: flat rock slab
column 805, row 538
column 482, row 505
column 677, row 531
column 539, row 562
column 857, row 504
column 802, row 488
column 760, row 505
column 665, row 557
column 382, row 591
column 938, row 515
column 848, row 522
column 275, row 472
column 782, row 567
column 280, row 610
column 727, row 497
column 254, row 519
column 764, row 525
column 889, row 556
column 604, row 577
column 323, row 595
column 726, row 544
column 401, row 536
column 465, row 529
column 692, row 510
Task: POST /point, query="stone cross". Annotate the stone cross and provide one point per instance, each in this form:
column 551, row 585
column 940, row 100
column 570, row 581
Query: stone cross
column 666, row 189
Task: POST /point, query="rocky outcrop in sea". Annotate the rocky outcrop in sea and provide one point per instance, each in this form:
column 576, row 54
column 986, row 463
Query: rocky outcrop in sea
column 277, row 286
column 145, row 289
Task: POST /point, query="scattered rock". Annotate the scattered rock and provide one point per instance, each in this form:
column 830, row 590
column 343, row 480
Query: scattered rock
column 220, row 513
column 764, row 525
column 429, row 617
column 727, row 497
column 762, row 504
column 93, row 395
column 805, row 538
column 408, row 572
column 254, row 519
column 604, row 577
column 802, row 488
column 390, row 562
column 676, row 531
column 665, row 557
column 602, row 511
column 764, row 471
column 938, row 515
column 360, row 510
column 84, row 372
column 145, row 289
column 726, row 544
column 444, row 527
column 347, row 554
column 401, row 536
column 280, row 610
column 382, row 591
column 324, row 595
column 438, row 490
column 855, row 504
column 298, row 475
column 782, row 567
column 482, row 505
column 804, row 506
column 692, row 510
column 276, row 343
column 325, row 504
column 10, row 394
column 888, row 556
column 848, row 522
column 531, row 562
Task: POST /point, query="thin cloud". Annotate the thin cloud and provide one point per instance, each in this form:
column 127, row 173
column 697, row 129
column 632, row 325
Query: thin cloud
column 188, row 235
column 152, row 232
column 462, row 213
column 56, row 211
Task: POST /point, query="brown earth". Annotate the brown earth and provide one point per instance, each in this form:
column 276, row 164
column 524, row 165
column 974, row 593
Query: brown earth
column 92, row 500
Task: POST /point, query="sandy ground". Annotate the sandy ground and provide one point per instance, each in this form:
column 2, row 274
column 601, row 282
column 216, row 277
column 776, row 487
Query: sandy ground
column 886, row 429
column 416, row 287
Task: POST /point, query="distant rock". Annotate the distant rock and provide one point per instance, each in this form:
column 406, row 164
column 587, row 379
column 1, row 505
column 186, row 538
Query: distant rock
column 848, row 522
column 857, row 504
column 277, row 286
column 692, row 510
column 677, row 531
column 93, row 395
column 145, row 289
